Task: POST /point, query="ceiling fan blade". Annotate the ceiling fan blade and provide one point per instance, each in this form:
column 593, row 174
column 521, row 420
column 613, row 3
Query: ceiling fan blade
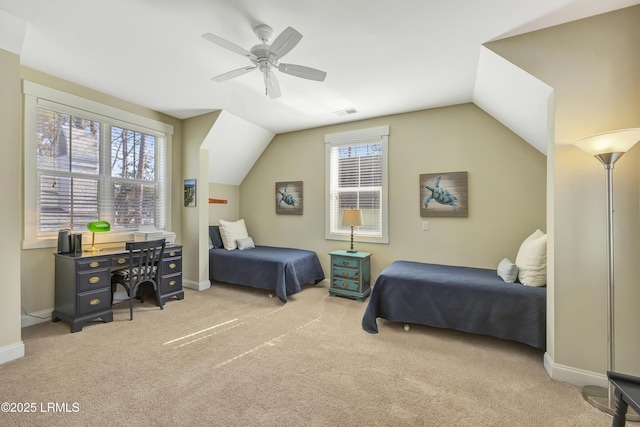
column 286, row 41
column 271, row 84
column 233, row 73
column 302, row 71
column 228, row 45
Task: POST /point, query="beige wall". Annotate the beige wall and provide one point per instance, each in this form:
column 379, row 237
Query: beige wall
column 195, row 220
column 36, row 265
column 506, row 189
column 594, row 67
column 11, row 194
column 229, row 211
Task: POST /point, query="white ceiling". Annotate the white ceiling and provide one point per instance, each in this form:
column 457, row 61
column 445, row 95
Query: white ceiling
column 381, row 57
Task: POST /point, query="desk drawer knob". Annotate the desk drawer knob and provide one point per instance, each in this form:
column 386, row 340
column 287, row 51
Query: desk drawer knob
column 172, row 254
column 94, row 301
column 345, row 285
column 345, row 262
column 172, row 283
column 121, row 260
column 94, row 264
column 172, row 265
column 94, row 280
column 345, row 274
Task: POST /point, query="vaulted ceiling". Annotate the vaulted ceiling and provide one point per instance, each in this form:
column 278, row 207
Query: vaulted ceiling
column 380, row 57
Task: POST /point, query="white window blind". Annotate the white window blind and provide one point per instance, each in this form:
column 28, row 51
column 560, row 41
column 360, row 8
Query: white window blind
column 89, row 166
column 357, row 179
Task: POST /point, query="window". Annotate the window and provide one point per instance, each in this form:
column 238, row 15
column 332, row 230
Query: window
column 356, row 174
column 85, row 162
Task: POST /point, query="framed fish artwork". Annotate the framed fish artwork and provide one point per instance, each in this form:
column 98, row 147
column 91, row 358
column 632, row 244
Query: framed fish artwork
column 444, row 194
column 289, row 198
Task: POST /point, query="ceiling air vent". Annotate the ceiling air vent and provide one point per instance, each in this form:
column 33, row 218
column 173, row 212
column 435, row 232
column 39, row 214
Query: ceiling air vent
column 346, row 112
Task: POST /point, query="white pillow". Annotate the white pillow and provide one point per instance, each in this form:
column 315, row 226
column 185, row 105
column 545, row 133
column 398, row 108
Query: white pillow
column 532, row 260
column 232, row 231
column 507, row 270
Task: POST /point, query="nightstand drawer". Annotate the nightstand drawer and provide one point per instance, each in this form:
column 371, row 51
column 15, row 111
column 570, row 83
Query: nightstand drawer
column 89, row 302
column 89, row 280
column 346, row 284
column 345, row 262
column 346, row 273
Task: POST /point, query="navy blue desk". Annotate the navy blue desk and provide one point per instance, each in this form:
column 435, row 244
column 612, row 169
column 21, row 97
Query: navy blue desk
column 627, row 390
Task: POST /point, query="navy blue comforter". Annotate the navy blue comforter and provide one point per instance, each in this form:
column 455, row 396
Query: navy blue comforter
column 283, row 270
column 467, row 299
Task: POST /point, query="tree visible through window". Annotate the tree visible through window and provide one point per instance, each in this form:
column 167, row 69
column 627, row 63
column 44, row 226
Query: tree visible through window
column 83, row 176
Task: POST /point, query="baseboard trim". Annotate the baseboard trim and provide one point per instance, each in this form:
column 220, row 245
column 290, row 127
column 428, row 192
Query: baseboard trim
column 11, row 352
column 197, row 286
column 31, row 319
column 571, row 375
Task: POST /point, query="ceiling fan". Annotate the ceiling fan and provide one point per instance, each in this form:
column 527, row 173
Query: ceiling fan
column 267, row 57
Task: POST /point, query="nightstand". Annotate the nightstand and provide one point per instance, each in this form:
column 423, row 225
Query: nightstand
column 350, row 274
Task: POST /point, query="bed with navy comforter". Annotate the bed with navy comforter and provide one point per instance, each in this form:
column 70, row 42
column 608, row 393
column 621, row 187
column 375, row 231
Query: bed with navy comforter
column 467, row 299
column 283, row 270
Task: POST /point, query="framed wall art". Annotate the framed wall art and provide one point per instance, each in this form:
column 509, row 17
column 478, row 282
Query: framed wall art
column 444, row 194
column 289, row 198
column 190, row 192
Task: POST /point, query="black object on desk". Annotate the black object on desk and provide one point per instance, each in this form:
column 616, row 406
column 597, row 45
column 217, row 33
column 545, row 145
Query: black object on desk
column 627, row 390
column 83, row 283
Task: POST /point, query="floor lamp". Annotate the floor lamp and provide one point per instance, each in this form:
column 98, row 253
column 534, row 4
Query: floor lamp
column 608, row 148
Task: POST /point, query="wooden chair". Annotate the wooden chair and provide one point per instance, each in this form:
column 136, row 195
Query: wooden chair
column 145, row 263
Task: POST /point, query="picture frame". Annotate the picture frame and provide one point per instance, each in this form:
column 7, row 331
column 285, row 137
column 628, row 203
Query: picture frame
column 190, row 193
column 289, row 198
column 444, row 194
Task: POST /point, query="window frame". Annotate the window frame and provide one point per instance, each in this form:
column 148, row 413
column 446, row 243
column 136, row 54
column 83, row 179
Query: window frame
column 377, row 135
column 35, row 96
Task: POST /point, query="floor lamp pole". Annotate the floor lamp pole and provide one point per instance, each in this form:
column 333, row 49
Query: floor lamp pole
column 600, row 397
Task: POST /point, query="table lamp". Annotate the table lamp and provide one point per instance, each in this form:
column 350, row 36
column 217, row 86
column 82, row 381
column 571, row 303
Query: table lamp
column 352, row 218
column 97, row 227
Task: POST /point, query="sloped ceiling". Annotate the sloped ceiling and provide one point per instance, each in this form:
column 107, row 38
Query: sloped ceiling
column 381, row 57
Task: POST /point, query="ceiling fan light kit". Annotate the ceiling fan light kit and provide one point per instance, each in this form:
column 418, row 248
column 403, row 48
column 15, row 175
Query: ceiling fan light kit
column 267, row 57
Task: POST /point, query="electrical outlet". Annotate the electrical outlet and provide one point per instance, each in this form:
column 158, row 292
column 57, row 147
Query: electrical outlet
column 425, row 225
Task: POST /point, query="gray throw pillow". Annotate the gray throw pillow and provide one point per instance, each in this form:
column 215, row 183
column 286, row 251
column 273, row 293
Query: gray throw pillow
column 507, row 270
column 246, row 243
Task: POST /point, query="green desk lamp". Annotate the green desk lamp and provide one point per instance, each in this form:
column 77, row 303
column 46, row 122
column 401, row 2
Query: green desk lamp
column 97, row 227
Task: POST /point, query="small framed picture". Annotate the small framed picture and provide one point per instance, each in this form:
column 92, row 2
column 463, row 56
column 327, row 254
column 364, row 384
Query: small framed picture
column 289, row 198
column 444, row 194
column 190, row 192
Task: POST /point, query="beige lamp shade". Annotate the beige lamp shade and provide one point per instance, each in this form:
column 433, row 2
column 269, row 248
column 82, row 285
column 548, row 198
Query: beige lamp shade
column 618, row 141
column 352, row 218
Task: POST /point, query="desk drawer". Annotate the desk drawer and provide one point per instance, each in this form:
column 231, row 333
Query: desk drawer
column 345, row 262
column 89, row 302
column 170, row 283
column 170, row 252
column 171, row 265
column 92, row 264
column 89, row 280
column 123, row 260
